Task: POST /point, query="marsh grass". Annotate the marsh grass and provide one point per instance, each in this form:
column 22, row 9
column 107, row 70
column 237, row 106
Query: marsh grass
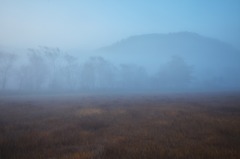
column 121, row 127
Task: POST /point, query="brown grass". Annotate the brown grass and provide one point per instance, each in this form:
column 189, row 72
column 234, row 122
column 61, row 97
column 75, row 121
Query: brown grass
column 120, row 127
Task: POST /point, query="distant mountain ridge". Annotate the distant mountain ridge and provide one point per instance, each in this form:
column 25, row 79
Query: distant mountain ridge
column 201, row 63
column 160, row 41
column 194, row 48
column 213, row 60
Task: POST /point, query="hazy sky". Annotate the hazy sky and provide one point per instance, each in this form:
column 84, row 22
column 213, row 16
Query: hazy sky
column 93, row 23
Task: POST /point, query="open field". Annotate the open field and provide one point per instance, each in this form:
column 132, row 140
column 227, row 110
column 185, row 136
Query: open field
column 180, row 126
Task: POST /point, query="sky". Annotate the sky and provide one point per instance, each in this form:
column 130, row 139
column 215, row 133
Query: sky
column 89, row 24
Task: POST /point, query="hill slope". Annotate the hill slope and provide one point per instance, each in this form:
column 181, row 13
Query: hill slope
column 160, row 47
column 213, row 60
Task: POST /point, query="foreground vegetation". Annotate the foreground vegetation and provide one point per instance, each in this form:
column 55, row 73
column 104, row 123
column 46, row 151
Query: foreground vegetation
column 120, row 127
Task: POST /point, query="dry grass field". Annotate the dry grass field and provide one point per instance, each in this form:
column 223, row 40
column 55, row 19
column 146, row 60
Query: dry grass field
column 180, row 126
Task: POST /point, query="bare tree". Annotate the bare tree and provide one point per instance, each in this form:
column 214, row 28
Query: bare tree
column 70, row 71
column 53, row 56
column 133, row 76
column 6, row 63
column 98, row 73
column 35, row 72
column 175, row 75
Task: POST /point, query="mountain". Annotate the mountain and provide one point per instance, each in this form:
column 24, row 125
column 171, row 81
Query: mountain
column 204, row 61
column 158, row 48
column 212, row 59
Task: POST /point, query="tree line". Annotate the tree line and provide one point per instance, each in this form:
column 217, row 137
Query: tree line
column 50, row 69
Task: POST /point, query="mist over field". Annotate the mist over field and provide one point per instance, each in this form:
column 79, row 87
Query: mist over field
column 53, row 46
column 174, row 62
column 80, row 47
column 127, row 79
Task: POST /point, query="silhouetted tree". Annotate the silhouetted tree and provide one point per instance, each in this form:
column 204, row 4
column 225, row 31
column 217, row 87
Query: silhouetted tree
column 133, row 76
column 6, row 63
column 70, row 72
column 33, row 75
column 53, row 56
column 175, row 75
column 98, row 73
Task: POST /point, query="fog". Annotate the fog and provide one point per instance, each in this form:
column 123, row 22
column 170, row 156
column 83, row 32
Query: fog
column 47, row 69
column 127, row 47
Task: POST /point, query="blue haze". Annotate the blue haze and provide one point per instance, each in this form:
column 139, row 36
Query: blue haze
column 89, row 24
column 127, row 45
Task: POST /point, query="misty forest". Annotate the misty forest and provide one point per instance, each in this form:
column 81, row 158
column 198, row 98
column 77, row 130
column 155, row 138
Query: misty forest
column 135, row 64
column 154, row 79
column 49, row 69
